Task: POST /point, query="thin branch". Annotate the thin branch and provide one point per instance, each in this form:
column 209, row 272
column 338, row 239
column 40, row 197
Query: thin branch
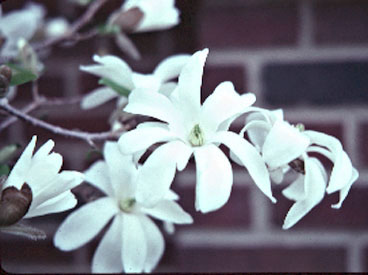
column 86, row 136
column 75, row 27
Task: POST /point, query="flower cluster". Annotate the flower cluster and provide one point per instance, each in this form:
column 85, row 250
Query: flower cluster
column 139, row 166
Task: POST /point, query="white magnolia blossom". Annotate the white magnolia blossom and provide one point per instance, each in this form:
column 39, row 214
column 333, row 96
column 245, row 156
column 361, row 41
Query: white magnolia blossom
column 56, row 26
column 281, row 143
column 50, row 188
column 20, row 24
column 133, row 242
column 157, row 14
column 191, row 128
column 119, row 72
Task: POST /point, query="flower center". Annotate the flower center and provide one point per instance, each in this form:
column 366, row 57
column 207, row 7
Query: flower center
column 196, row 136
column 300, row 127
column 127, row 205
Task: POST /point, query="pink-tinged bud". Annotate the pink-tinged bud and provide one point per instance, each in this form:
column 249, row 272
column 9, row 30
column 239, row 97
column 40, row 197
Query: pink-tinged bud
column 127, row 20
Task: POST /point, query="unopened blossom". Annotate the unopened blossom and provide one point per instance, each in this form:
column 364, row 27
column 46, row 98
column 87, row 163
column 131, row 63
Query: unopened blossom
column 189, row 128
column 118, row 72
column 19, row 24
column 146, row 15
column 36, row 178
column 284, row 146
column 56, row 27
column 133, row 242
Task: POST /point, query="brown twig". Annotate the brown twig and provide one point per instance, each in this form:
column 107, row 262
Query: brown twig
column 86, row 136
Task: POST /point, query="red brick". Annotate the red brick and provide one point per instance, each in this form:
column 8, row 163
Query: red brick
column 341, row 21
column 351, row 216
column 248, row 25
column 235, row 213
column 265, row 259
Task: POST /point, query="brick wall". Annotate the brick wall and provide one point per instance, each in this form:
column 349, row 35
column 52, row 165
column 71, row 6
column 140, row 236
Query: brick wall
column 308, row 57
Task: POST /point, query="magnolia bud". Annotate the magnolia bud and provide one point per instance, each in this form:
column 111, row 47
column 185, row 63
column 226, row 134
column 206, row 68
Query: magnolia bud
column 127, row 20
column 5, row 77
column 14, row 204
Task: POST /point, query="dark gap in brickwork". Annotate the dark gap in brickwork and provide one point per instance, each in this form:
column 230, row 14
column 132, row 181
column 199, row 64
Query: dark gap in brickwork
column 258, row 25
column 363, row 137
column 320, row 84
column 341, row 21
column 265, row 259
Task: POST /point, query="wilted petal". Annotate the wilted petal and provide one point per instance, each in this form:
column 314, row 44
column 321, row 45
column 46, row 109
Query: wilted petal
column 155, row 243
column 112, row 68
column 283, row 144
column 189, row 86
column 223, row 104
column 98, row 97
column 345, row 190
column 171, row 67
column 315, row 184
column 108, row 256
column 134, row 244
column 84, row 223
column 249, row 157
column 170, row 211
column 97, row 175
column 156, row 175
column 145, row 102
column 143, row 137
column 214, row 178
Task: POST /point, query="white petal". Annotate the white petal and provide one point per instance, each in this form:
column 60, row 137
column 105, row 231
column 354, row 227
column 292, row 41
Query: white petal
column 97, row 97
column 257, row 131
column 189, row 86
column 283, row 144
column 122, row 169
column 146, row 81
column 19, row 172
column 134, row 244
column 345, row 190
column 171, row 67
column 214, row 178
column 222, row 104
column 295, row 191
column 166, row 89
column 44, row 151
column 250, row 158
column 155, row 243
column 156, row 175
column 145, row 102
column 98, row 176
column 112, row 68
column 143, row 137
column 342, row 169
column 170, row 211
column 315, row 185
column 277, row 175
column 108, row 256
column 84, row 224
column 60, row 203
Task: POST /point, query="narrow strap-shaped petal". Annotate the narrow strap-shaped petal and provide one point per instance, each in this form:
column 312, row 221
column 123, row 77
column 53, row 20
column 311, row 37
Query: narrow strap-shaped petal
column 315, row 184
column 113, row 68
column 345, row 190
column 134, row 244
column 167, row 210
column 155, row 243
column 257, row 131
column 108, row 256
column 250, row 158
column 143, row 137
column 189, row 86
column 98, row 97
column 295, row 191
column 44, row 150
column 97, row 175
column 171, row 67
column 19, row 172
column 283, row 144
column 156, row 174
column 147, row 103
column 84, row 223
column 146, row 81
column 214, row 178
column 223, row 104
column 342, row 169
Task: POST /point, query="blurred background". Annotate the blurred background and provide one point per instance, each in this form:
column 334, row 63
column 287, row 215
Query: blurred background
column 308, row 57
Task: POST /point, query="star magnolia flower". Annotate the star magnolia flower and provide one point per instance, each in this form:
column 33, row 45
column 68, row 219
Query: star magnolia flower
column 282, row 145
column 190, row 128
column 50, row 189
column 133, row 242
column 19, row 24
column 157, row 14
column 119, row 72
